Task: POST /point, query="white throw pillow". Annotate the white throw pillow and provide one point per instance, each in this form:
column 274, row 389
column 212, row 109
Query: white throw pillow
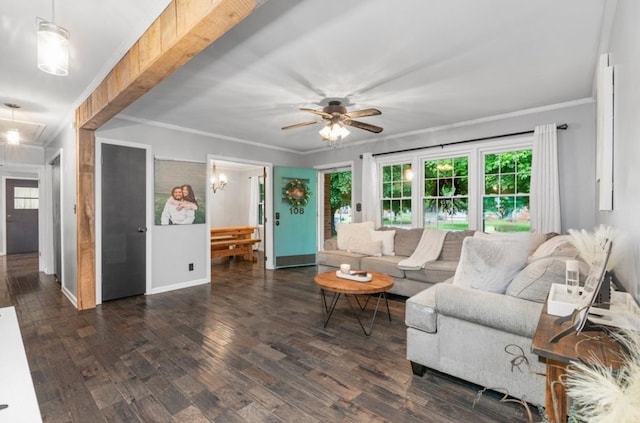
column 346, row 231
column 365, row 246
column 490, row 264
column 558, row 246
column 387, row 238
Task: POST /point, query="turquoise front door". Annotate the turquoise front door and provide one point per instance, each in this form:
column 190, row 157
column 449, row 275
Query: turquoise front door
column 295, row 207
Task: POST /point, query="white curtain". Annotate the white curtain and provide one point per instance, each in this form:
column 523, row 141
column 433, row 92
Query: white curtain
column 545, row 183
column 370, row 190
column 254, row 199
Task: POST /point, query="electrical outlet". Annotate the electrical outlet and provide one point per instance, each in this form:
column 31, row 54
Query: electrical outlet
column 190, row 267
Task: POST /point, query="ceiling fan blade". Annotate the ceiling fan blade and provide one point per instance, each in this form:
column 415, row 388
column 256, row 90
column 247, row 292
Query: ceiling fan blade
column 299, row 125
column 363, row 113
column 318, row 112
column 362, row 125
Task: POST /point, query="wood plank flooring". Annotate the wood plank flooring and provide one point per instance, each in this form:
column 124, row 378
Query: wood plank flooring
column 250, row 347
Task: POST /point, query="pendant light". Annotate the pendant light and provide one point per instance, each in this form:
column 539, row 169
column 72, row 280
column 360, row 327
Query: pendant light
column 13, row 134
column 53, row 46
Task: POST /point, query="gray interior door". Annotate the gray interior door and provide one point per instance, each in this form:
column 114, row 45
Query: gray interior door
column 56, row 218
column 22, row 216
column 123, row 221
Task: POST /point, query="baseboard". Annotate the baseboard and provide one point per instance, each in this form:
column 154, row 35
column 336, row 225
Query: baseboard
column 70, row 296
column 178, row 286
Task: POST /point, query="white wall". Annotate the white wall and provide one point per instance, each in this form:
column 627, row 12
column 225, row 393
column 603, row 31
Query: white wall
column 623, row 48
column 576, row 151
column 65, row 145
column 172, row 250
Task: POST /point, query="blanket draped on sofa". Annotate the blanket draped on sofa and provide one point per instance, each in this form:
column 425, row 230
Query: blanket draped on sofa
column 428, row 249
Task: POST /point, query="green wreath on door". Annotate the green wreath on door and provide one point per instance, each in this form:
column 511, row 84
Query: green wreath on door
column 297, row 193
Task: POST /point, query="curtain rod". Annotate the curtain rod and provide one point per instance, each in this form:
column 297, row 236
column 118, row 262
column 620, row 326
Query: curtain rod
column 563, row 127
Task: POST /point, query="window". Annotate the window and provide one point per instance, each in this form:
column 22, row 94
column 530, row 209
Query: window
column 446, row 193
column 25, row 198
column 396, row 195
column 507, row 181
column 261, row 201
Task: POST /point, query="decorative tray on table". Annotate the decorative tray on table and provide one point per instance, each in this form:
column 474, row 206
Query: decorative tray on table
column 355, row 275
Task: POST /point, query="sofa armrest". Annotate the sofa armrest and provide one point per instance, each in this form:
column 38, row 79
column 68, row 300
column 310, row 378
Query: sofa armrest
column 330, row 244
column 502, row 312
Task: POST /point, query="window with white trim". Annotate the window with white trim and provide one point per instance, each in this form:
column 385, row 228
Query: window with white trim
column 507, row 183
column 25, row 198
column 446, row 193
column 396, row 195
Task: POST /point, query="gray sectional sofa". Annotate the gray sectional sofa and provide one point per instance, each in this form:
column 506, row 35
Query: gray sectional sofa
column 406, row 282
column 477, row 327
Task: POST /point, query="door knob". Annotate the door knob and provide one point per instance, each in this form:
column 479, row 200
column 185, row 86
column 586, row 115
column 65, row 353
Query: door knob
column 142, row 229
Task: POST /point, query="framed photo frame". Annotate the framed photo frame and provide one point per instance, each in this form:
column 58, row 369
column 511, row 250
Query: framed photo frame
column 179, row 192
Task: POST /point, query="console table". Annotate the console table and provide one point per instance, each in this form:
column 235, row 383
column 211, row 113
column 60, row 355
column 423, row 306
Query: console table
column 585, row 346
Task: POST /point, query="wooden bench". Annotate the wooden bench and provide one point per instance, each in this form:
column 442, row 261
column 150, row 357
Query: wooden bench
column 233, row 241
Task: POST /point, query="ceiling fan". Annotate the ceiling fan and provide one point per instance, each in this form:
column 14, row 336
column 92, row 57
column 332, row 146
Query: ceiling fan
column 338, row 116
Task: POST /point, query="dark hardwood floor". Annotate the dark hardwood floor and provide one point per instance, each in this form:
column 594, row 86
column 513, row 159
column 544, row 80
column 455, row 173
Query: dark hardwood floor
column 250, row 347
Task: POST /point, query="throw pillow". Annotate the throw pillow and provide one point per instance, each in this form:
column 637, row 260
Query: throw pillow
column 558, row 246
column 490, row 264
column 534, row 281
column 346, row 231
column 406, row 241
column 387, row 241
column 365, row 246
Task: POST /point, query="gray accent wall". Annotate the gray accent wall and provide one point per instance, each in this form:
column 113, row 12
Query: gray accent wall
column 624, row 45
column 173, row 248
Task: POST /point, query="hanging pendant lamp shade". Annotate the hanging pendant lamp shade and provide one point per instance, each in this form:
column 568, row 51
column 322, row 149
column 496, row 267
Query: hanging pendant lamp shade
column 53, row 48
column 13, row 134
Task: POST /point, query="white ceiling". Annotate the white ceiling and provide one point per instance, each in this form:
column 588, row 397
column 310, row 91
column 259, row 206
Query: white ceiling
column 423, row 63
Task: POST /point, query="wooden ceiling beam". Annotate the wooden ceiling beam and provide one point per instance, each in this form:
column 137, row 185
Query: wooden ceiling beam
column 184, row 29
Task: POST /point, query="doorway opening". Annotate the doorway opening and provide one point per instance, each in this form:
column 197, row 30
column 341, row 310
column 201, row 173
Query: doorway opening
column 337, row 200
column 241, row 201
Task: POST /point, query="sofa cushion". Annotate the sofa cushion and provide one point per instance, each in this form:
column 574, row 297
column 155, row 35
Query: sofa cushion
column 452, row 245
column 406, row 241
column 497, row 311
column 346, row 231
column 365, row 246
column 534, row 281
column 387, row 238
column 490, row 264
column 335, row 258
column 433, row 271
column 384, row 264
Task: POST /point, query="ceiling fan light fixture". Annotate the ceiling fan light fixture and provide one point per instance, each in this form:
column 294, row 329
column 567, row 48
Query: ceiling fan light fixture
column 333, row 132
column 53, row 49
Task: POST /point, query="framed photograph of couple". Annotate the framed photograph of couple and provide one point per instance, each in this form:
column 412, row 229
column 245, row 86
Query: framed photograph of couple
column 179, row 192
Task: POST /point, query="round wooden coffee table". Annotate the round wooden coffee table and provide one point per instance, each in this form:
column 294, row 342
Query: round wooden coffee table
column 378, row 285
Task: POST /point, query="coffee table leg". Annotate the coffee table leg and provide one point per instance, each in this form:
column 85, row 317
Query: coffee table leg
column 329, row 310
column 367, row 332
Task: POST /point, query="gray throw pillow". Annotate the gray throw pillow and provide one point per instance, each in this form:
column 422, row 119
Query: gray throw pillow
column 534, row 281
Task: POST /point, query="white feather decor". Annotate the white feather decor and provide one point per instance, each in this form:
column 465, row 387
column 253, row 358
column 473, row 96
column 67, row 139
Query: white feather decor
column 603, row 395
column 590, row 244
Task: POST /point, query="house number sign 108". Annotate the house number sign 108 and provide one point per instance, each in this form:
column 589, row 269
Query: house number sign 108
column 296, row 210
